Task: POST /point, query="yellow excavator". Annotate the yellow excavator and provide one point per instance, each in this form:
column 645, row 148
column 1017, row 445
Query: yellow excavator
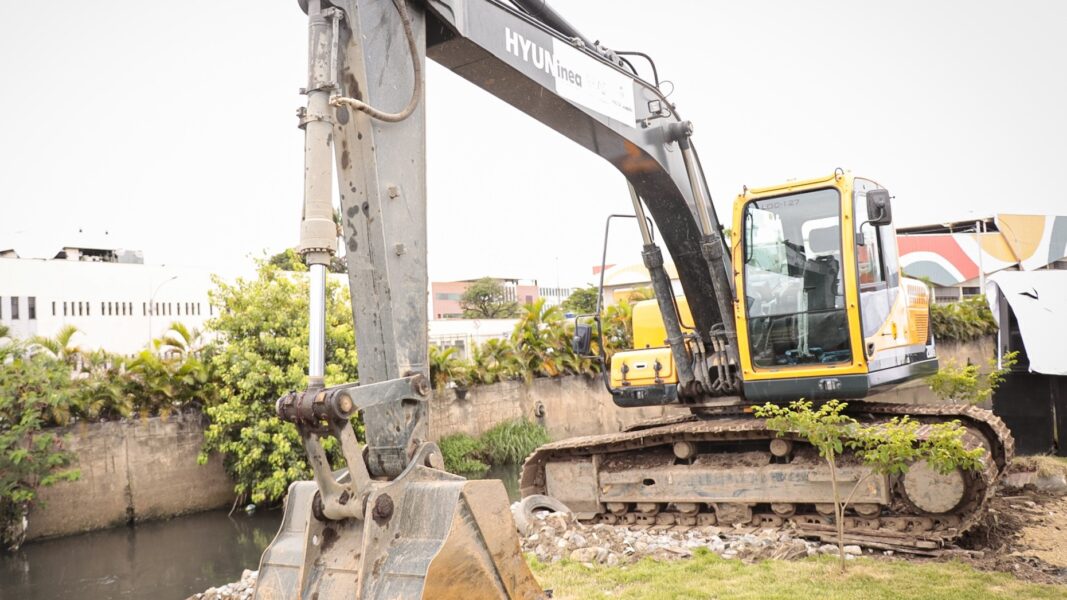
column 804, row 299
column 821, row 312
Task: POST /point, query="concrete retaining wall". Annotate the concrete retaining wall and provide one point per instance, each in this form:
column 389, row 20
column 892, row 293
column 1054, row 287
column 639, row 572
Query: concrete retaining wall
column 571, row 406
column 132, row 471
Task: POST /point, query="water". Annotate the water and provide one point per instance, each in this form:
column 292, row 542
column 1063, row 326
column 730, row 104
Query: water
column 171, row 559
column 509, row 474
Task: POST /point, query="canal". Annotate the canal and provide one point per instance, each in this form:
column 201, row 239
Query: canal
column 170, row 559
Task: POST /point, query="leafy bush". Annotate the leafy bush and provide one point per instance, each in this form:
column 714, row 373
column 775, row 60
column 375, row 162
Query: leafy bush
column 511, row 442
column 262, row 327
column 968, row 384
column 461, row 453
column 962, row 321
column 887, row 448
column 32, row 387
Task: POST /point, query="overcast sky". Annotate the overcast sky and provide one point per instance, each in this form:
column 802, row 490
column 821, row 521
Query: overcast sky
column 171, row 127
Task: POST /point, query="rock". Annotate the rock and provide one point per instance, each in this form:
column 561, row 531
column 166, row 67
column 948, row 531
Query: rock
column 584, row 555
column 1056, row 484
column 853, row 550
column 827, row 549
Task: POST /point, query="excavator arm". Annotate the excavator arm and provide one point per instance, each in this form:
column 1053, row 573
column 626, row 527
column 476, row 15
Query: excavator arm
column 528, row 56
column 393, row 523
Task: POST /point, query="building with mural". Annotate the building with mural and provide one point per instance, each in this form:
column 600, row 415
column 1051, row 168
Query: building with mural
column 954, row 257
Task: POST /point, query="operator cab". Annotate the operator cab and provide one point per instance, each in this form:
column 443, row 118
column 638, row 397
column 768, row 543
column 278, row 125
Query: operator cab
column 822, row 313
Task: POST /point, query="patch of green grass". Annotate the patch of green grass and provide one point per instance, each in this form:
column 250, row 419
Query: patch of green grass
column 510, row 442
column 708, row 577
column 461, row 453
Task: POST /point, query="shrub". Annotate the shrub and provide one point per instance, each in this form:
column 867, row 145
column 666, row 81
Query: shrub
column 887, row 448
column 262, row 326
column 968, row 384
column 962, row 321
column 32, row 387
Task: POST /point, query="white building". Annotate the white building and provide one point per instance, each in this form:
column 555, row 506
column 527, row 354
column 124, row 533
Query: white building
column 116, row 306
column 464, row 334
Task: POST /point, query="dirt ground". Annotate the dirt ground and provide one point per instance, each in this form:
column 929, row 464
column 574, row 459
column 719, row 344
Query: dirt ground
column 1024, row 532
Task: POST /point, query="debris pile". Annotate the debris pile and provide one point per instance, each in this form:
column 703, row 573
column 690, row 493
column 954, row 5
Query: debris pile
column 554, row 536
column 238, row 590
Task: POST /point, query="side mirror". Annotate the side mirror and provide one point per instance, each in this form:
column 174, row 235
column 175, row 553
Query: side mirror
column 879, row 210
column 582, row 341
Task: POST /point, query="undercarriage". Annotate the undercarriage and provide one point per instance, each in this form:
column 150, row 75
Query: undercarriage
column 730, row 469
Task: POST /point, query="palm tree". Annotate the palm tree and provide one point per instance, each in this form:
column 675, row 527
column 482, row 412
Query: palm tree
column 61, row 347
column 446, row 367
column 537, row 338
column 493, row 361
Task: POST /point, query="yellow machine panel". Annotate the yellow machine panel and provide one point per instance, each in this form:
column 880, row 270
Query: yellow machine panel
column 647, row 366
column 649, row 331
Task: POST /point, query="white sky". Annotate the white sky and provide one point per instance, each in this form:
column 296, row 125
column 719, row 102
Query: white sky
column 170, row 125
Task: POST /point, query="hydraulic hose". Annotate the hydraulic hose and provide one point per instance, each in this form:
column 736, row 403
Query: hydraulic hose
column 375, row 113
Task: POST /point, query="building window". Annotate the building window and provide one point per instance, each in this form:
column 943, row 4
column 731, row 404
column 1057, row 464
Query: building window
column 64, row 309
column 14, row 308
column 103, row 308
column 971, row 291
column 53, row 308
column 31, row 307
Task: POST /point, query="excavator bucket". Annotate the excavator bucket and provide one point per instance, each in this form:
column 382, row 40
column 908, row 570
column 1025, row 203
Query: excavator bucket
column 430, row 535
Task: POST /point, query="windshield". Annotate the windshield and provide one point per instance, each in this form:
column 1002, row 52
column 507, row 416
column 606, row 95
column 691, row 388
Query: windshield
column 793, row 288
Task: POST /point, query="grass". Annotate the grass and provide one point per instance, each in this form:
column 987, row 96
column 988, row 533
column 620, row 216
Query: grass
column 461, row 453
column 1043, row 464
column 510, row 442
column 708, row 577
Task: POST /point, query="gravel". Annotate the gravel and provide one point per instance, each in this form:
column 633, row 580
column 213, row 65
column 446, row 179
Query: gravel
column 240, row 590
column 554, row 536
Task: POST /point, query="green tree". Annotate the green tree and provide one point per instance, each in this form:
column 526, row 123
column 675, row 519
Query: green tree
column 582, row 301
column 262, row 328
column 31, row 387
column 486, row 299
column 887, row 448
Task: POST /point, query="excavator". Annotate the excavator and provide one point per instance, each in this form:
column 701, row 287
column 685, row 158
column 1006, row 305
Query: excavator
column 803, row 299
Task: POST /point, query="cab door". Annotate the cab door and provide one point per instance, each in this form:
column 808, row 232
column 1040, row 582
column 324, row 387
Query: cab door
column 877, row 267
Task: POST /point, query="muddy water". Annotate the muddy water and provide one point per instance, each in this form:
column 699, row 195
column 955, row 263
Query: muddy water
column 164, row 559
